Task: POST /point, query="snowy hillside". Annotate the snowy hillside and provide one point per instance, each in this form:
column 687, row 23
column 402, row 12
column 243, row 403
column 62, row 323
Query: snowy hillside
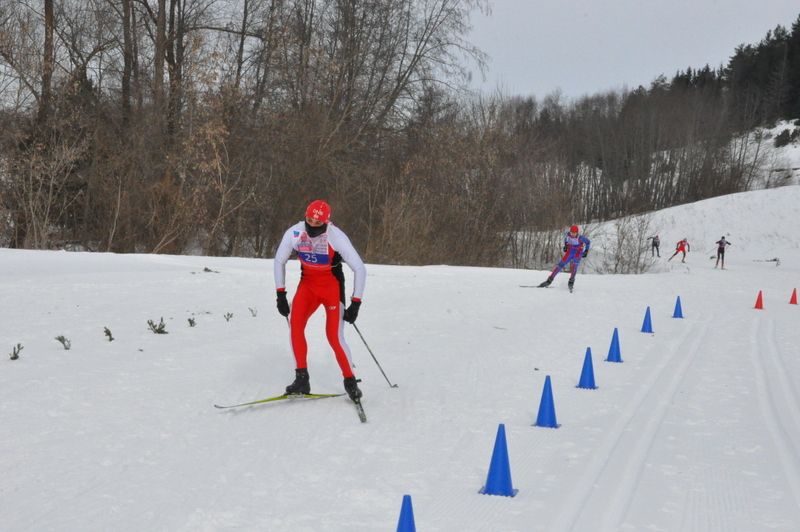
column 697, row 429
column 777, row 166
column 762, row 225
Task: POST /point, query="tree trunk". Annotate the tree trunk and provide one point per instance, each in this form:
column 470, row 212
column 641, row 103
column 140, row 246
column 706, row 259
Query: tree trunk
column 160, row 53
column 240, row 51
column 47, row 64
column 127, row 44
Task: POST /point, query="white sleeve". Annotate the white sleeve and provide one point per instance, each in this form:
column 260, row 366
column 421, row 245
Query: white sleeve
column 282, row 255
column 350, row 256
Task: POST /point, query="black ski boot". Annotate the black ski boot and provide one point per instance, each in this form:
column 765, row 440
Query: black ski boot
column 351, row 387
column 546, row 283
column 300, row 385
column 571, row 284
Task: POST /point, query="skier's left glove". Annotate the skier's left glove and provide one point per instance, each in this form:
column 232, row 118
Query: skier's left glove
column 283, row 304
column 585, row 252
column 351, row 312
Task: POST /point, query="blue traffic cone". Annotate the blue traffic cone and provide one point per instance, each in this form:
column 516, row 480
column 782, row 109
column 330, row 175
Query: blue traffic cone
column 498, row 481
column 587, row 374
column 678, row 310
column 406, row 521
column 547, row 409
column 613, row 352
column 647, row 324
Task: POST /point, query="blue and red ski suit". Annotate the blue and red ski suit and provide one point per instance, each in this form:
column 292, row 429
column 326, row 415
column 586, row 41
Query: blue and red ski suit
column 575, row 247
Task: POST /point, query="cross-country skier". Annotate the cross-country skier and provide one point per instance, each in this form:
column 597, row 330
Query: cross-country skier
column 654, row 246
column 681, row 247
column 575, row 248
column 321, row 248
column 721, row 245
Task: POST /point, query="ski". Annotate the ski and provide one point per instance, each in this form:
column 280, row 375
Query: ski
column 539, row 286
column 291, row 397
column 360, row 410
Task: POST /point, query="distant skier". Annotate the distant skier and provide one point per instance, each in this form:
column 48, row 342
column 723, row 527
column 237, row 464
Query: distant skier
column 681, row 247
column 721, row 245
column 575, row 248
column 654, row 245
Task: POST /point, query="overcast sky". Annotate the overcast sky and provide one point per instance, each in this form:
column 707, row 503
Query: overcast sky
column 589, row 46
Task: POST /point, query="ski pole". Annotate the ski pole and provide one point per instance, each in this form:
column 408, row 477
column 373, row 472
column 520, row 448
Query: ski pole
column 373, row 357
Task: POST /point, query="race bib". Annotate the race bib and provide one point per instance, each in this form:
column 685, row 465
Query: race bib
column 313, row 251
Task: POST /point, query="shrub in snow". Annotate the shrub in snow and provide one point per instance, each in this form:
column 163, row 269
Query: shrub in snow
column 64, row 341
column 161, row 328
column 15, row 351
column 228, row 316
column 107, row 332
column 625, row 246
column 784, row 138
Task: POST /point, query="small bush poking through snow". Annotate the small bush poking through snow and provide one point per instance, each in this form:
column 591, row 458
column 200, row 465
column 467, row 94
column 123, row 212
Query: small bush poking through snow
column 161, row 328
column 64, row 341
column 15, row 351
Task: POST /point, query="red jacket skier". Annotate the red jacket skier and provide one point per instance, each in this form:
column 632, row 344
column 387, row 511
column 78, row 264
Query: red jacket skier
column 321, row 248
column 681, row 247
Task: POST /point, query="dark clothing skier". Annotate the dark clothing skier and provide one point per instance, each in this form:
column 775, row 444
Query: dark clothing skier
column 721, row 245
column 654, row 245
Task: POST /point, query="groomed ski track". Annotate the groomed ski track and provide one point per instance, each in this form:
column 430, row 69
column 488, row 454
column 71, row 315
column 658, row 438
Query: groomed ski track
column 603, row 495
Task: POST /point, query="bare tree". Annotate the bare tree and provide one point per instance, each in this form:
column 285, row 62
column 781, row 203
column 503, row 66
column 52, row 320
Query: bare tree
column 40, row 187
column 624, row 246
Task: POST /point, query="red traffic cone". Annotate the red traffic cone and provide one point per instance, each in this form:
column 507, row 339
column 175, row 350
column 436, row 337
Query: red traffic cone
column 760, row 301
column 793, row 299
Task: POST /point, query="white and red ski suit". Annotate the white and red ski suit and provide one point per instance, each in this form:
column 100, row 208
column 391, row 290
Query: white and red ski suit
column 321, row 283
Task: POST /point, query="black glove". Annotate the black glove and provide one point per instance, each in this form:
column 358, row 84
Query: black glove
column 565, row 247
column 585, row 252
column 283, row 304
column 351, row 312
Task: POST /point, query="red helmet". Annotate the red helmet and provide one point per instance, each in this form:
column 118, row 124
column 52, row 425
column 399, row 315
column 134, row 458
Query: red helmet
column 319, row 210
column 573, row 229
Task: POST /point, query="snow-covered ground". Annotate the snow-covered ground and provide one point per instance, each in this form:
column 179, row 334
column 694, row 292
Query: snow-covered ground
column 698, row 428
